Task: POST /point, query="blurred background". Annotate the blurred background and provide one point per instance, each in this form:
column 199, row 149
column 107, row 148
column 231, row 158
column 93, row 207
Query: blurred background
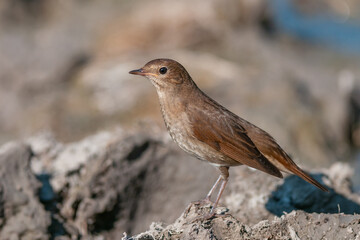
column 291, row 67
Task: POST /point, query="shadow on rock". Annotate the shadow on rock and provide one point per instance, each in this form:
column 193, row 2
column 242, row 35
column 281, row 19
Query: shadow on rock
column 296, row 194
column 50, row 202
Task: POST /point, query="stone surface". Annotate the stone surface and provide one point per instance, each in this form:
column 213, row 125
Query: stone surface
column 22, row 216
column 269, row 197
column 120, row 182
column 292, row 208
column 294, row 225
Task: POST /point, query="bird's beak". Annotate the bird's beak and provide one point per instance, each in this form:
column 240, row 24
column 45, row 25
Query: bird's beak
column 138, row 72
column 142, row 72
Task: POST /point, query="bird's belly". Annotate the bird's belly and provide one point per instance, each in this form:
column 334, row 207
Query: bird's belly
column 181, row 132
column 187, row 142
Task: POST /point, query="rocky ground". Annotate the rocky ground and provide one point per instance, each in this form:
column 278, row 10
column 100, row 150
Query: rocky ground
column 295, row 225
column 114, row 185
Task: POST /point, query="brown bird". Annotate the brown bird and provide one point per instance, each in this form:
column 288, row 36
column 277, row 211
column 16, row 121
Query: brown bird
column 208, row 131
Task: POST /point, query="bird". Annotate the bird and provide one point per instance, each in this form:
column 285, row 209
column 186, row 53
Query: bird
column 208, row 131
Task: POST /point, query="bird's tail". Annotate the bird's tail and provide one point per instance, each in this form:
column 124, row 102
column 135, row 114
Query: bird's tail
column 299, row 172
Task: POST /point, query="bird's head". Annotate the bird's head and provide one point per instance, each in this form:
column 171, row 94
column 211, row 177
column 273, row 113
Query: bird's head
column 165, row 74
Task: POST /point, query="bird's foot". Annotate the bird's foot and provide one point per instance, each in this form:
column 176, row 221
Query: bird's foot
column 202, row 202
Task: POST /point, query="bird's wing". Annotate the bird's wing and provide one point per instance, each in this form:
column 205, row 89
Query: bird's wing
column 224, row 134
column 272, row 151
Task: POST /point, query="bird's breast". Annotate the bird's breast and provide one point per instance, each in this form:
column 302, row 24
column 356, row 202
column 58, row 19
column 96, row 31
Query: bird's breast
column 176, row 118
column 179, row 127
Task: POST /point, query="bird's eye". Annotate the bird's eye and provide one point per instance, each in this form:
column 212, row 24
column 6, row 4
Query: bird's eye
column 163, row 70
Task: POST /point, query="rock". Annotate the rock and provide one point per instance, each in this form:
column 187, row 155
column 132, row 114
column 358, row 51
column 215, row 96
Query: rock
column 121, row 181
column 22, row 215
column 107, row 191
column 114, row 182
column 250, row 212
column 280, row 209
column 265, row 201
column 295, row 225
column 353, row 118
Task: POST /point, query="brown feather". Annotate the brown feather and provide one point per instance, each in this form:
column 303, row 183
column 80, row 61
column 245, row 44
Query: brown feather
column 231, row 140
column 210, row 132
column 269, row 148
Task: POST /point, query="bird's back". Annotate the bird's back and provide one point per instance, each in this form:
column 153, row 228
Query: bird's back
column 247, row 134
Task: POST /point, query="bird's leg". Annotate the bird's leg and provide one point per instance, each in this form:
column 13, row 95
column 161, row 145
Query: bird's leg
column 208, row 196
column 222, row 188
column 225, row 176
